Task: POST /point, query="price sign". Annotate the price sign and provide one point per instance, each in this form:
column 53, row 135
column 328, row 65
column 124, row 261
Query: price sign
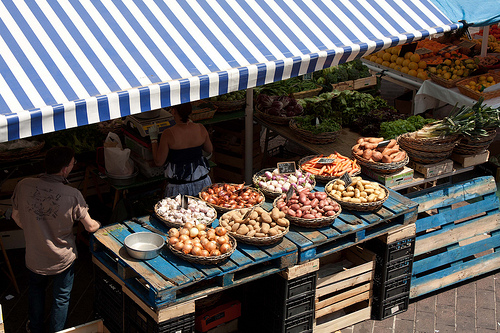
column 307, row 76
column 346, row 177
column 422, row 50
column 286, row 167
column 467, row 44
column 448, row 48
column 407, row 48
column 290, row 193
column 383, row 143
column 315, row 121
column 247, row 214
column 184, row 201
column 325, row 160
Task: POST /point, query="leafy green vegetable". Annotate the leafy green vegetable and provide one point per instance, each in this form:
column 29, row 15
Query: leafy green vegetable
column 232, row 96
column 352, row 104
column 392, row 129
column 82, row 139
column 351, row 70
column 325, row 125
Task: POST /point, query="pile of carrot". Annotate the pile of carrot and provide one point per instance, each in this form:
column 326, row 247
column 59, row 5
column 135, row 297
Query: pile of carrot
column 337, row 168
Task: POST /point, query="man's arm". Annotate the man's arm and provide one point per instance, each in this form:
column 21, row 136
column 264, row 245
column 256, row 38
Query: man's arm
column 90, row 224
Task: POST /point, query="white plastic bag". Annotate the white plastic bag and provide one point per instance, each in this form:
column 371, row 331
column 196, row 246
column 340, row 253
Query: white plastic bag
column 116, row 159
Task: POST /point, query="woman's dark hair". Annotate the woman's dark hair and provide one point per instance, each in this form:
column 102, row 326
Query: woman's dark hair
column 58, row 158
column 184, row 110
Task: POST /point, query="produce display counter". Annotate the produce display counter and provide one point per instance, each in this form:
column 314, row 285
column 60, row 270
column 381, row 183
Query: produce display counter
column 343, row 144
column 431, row 94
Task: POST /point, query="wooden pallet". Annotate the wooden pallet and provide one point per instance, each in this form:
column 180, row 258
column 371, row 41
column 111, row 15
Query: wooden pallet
column 344, row 289
column 352, row 227
column 459, row 237
column 167, row 279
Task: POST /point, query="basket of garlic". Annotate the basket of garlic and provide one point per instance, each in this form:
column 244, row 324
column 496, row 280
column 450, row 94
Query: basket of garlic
column 173, row 215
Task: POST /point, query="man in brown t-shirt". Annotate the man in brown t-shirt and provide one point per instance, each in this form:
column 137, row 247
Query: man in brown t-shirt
column 46, row 209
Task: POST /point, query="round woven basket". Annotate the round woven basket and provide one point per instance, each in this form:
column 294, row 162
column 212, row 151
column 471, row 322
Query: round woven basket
column 430, row 150
column 362, row 207
column 471, row 146
column 274, row 119
column 171, row 224
column 382, row 167
column 229, row 106
column 324, row 179
column 444, row 82
column 222, row 209
column 267, row 193
column 21, row 153
column 205, row 260
column 319, row 139
column 310, row 223
column 257, row 240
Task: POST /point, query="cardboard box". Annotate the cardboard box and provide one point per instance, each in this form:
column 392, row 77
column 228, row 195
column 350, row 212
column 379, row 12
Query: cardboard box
column 432, row 170
column 470, row 160
column 404, row 103
column 392, row 179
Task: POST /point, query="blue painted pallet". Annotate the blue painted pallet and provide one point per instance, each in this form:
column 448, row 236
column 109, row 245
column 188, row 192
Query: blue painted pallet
column 168, row 279
column 352, row 227
column 461, row 241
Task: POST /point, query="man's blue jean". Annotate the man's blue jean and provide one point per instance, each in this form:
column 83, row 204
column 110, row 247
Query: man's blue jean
column 62, row 284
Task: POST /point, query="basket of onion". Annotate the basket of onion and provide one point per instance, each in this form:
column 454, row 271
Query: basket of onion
column 272, row 183
column 201, row 245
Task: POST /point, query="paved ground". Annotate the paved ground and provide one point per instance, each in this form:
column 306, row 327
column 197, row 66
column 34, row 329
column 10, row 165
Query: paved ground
column 471, row 307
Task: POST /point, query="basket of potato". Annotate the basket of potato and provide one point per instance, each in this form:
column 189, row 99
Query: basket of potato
column 379, row 155
column 201, row 245
column 255, row 225
column 360, row 195
column 308, row 209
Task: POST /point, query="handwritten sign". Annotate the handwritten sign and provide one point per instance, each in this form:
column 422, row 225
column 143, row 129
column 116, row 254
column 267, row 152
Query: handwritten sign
column 422, row 50
column 448, row 48
column 290, row 193
column 184, row 201
column 346, row 177
column 383, row 143
column 325, row 160
column 407, row 48
column 286, row 167
column 307, row 76
column 467, row 44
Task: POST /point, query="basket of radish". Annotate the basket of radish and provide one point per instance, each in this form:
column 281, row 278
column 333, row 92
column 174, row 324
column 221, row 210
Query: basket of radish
column 272, row 183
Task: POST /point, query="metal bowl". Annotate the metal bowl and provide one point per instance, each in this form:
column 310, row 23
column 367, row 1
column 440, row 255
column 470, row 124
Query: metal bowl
column 144, row 245
column 119, row 180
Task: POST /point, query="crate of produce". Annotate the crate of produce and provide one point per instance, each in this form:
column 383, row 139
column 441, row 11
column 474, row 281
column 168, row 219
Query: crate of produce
column 365, row 82
column 344, row 289
column 457, row 234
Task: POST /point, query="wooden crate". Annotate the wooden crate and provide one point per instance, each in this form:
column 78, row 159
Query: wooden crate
column 457, row 234
column 344, row 289
column 365, row 82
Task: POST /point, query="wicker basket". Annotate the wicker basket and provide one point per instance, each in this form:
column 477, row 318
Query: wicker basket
column 222, row 209
column 444, row 82
column 319, row 139
column 474, row 94
column 382, row 167
column 431, row 150
column 257, row 240
column 471, row 146
column 306, row 93
column 267, row 193
column 171, row 224
column 273, row 119
column 324, row 179
column 205, row 260
column 310, row 223
column 362, row 207
column 229, row 106
column 21, row 153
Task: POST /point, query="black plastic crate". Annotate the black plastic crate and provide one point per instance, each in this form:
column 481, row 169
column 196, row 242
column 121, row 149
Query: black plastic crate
column 394, row 269
column 300, row 324
column 385, row 309
column 401, row 248
column 286, row 309
column 391, row 289
column 298, row 286
column 108, row 301
column 138, row 321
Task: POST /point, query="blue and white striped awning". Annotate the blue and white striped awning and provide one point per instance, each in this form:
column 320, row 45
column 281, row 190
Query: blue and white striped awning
column 71, row 63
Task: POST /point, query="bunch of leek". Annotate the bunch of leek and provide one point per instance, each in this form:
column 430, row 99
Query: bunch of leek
column 466, row 120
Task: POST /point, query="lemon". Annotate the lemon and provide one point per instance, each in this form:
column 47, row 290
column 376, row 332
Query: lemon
column 490, row 79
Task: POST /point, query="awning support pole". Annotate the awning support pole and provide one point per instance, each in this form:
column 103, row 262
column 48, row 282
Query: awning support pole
column 249, row 136
column 484, row 43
